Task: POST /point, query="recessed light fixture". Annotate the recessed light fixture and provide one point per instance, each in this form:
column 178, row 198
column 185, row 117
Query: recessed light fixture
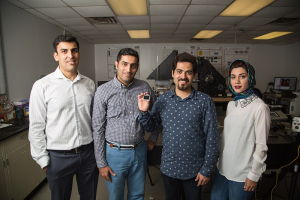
column 138, row 34
column 240, row 8
column 128, row 7
column 207, row 34
column 271, row 35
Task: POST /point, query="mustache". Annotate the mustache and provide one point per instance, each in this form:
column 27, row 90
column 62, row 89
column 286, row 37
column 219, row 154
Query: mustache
column 183, row 79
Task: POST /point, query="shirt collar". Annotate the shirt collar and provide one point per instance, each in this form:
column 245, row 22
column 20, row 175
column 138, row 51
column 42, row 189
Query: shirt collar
column 118, row 84
column 59, row 74
column 246, row 101
column 192, row 95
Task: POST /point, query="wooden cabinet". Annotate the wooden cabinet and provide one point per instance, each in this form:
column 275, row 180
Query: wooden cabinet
column 22, row 174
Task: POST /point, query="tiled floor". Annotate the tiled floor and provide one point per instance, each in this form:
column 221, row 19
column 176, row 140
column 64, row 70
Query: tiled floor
column 156, row 192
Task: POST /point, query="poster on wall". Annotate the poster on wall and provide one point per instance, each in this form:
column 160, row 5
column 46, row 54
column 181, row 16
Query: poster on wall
column 214, row 56
column 167, row 50
column 112, row 54
column 233, row 54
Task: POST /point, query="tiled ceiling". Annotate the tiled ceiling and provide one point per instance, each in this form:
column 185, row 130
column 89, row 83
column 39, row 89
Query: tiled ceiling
column 169, row 21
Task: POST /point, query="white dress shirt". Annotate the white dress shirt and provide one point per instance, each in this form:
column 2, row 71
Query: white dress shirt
column 59, row 114
column 243, row 147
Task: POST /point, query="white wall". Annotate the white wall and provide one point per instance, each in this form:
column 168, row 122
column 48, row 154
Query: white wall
column 268, row 60
column 28, row 50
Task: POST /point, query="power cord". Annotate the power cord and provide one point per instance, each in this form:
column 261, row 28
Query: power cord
column 280, row 169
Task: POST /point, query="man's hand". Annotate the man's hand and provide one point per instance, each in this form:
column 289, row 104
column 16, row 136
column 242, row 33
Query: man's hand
column 45, row 169
column 202, row 180
column 150, row 145
column 105, row 171
column 143, row 104
column 250, row 185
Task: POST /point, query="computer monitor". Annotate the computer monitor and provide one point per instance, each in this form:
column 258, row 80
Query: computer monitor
column 285, row 83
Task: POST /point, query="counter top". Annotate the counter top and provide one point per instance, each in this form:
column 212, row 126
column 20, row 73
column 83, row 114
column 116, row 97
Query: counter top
column 20, row 124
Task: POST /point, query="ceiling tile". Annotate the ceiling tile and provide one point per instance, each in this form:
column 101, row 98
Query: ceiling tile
column 73, row 22
column 109, row 27
column 134, row 19
column 87, row 33
column 227, row 20
column 17, row 3
column 119, row 32
column 275, row 12
column 186, row 32
column 214, row 2
column 191, row 26
column 269, row 28
column 161, row 32
column 119, row 36
column 196, row 19
column 83, row 28
column 171, row 2
column 94, row 11
column 204, row 10
column 97, row 37
column 160, row 36
column 256, row 21
column 43, row 3
column 217, row 27
column 283, row 3
column 163, row 26
column 165, row 19
column 293, row 15
column 137, row 26
column 170, row 10
column 63, row 12
column 53, row 21
column 293, row 28
column 85, row 2
column 36, row 13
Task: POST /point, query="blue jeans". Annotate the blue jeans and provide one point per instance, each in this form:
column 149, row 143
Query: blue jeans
column 173, row 188
column 130, row 164
column 224, row 189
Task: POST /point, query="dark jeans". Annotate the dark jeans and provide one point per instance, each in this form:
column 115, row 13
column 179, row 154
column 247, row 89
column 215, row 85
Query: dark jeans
column 63, row 167
column 174, row 186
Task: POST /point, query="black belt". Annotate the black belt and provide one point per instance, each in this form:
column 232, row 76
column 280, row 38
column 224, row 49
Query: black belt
column 123, row 146
column 75, row 150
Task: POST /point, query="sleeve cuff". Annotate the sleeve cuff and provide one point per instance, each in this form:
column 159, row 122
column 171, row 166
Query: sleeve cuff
column 43, row 161
column 253, row 177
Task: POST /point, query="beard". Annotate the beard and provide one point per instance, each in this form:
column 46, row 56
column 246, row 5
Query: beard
column 183, row 86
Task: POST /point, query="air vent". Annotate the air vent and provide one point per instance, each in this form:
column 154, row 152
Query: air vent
column 101, row 20
column 284, row 21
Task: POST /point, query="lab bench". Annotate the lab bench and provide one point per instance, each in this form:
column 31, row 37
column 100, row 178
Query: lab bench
column 19, row 173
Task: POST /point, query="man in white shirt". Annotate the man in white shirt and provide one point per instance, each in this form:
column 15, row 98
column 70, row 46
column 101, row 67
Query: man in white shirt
column 60, row 131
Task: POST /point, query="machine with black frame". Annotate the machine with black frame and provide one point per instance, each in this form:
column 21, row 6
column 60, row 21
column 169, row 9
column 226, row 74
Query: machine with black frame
column 211, row 81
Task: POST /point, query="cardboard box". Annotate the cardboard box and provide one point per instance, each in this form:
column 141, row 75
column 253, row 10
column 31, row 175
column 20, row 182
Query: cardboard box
column 10, row 116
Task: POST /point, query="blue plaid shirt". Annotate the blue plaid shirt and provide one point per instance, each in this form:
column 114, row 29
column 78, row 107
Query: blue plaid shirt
column 190, row 133
column 115, row 115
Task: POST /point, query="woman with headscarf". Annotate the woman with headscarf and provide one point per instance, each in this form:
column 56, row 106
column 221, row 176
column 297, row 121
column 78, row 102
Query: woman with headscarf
column 243, row 148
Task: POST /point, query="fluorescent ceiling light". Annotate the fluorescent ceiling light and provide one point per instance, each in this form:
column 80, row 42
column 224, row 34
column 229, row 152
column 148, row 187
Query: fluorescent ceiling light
column 138, row 34
column 128, row 7
column 271, row 35
column 242, row 8
column 207, row 34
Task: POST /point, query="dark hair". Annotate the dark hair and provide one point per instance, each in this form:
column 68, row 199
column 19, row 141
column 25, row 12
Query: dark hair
column 237, row 64
column 128, row 51
column 257, row 92
column 185, row 57
column 64, row 38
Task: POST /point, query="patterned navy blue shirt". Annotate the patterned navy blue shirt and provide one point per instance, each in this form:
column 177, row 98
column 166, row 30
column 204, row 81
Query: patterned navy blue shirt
column 190, row 133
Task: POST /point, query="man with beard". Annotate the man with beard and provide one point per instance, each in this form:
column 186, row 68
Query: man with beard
column 190, row 132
